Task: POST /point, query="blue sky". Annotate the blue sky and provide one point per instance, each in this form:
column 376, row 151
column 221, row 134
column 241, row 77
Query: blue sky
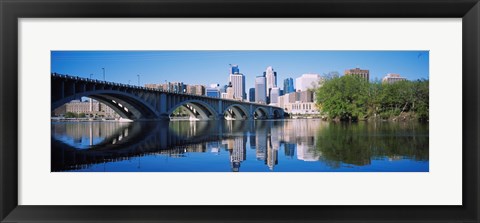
column 206, row 67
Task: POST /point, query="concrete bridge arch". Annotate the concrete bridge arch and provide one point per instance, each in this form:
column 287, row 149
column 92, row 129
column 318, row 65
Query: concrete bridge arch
column 127, row 105
column 204, row 110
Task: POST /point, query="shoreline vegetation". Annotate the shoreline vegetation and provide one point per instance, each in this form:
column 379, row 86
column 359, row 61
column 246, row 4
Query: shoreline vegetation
column 351, row 99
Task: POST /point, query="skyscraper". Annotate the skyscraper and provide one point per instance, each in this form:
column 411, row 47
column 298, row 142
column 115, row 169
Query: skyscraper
column 238, row 83
column 260, row 90
column 271, row 77
column 288, row 86
column 251, row 94
column 274, row 94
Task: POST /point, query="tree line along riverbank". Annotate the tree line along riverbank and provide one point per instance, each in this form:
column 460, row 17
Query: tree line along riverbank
column 351, row 98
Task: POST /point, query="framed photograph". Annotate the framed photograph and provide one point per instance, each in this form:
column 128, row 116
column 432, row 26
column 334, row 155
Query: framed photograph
column 175, row 111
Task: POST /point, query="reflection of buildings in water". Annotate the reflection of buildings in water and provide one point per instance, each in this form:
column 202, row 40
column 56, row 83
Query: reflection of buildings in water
column 307, row 152
column 180, row 151
column 306, row 149
column 302, row 132
column 252, row 140
column 214, row 147
column 237, row 152
column 275, row 134
column 196, row 148
column 261, row 144
column 268, row 143
column 230, row 143
column 300, row 128
column 87, row 133
column 289, row 149
column 224, row 144
column 272, row 156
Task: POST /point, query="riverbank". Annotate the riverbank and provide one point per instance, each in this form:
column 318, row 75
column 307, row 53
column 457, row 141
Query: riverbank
column 404, row 117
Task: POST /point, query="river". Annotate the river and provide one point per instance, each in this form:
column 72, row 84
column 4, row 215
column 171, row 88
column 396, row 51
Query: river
column 290, row 145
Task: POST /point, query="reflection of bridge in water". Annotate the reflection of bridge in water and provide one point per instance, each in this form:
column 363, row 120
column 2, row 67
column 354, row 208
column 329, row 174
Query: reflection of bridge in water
column 179, row 137
column 87, row 134
column 134, row 102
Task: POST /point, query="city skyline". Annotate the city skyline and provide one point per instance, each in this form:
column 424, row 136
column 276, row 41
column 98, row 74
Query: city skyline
column 207, row 67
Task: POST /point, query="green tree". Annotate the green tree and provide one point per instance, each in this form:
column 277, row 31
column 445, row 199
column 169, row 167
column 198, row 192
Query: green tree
column 374, row 99
column 70, row 115
column 351, row 98
column 180, row 111
column 421, row 99
column 344, row 98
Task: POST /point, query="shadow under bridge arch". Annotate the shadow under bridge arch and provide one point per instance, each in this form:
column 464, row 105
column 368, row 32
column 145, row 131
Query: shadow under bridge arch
column 236, row 112
column 260, row 113
column 278, row 113
column 197, row 109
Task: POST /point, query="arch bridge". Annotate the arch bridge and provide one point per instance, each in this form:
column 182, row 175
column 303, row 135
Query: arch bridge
column 137, row 103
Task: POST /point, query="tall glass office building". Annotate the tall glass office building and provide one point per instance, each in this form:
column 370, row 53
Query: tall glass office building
column 288, row 86
column 251, row 94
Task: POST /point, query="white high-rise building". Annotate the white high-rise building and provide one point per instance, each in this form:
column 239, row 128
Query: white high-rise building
column 307, row 81
column 271, row 77
column 260, row 90
column 238, row 83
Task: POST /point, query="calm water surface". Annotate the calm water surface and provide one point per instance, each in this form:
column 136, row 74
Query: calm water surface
column 296, row 145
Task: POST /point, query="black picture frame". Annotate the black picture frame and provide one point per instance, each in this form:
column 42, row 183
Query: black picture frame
column 12, row 10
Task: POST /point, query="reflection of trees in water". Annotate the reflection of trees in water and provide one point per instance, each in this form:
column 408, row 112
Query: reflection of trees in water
column 188, row 129
column 358, row 143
